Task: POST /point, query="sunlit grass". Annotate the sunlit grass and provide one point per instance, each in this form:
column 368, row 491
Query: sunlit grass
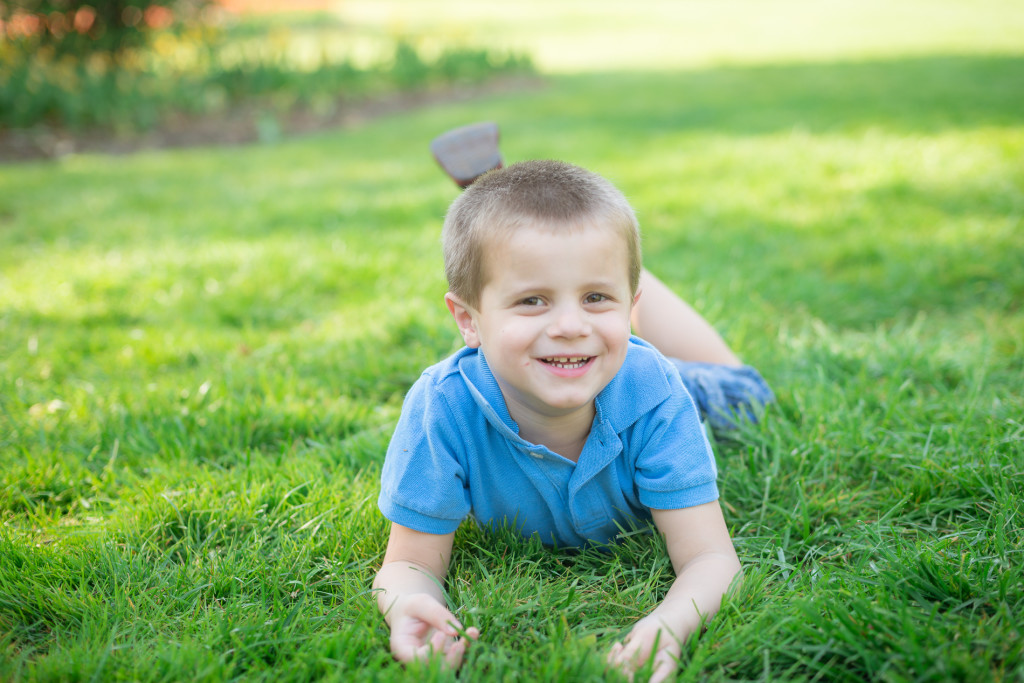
column 203, row 352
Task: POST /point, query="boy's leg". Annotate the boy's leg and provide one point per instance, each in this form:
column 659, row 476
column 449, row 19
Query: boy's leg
column 725, row 390
column 673, row 327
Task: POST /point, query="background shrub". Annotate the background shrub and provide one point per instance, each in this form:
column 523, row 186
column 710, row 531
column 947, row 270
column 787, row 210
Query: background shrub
column 126, row 65
column 70, row 27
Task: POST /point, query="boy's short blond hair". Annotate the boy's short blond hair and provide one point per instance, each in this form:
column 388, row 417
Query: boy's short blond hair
column 550, row 194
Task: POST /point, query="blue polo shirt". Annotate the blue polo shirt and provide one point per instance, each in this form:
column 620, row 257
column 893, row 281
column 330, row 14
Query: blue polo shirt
column 457, row 452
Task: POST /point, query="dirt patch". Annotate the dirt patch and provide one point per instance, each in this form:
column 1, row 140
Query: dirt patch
column 237, row 126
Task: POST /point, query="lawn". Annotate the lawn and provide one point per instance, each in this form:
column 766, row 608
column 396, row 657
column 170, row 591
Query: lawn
column 203, row 352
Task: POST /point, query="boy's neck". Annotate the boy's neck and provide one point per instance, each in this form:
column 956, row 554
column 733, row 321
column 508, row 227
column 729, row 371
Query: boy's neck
column 564, row 435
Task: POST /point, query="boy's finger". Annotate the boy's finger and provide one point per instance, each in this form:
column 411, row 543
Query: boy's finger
column 412, row 649
column 453, row 657
column 471, row 633
column 437, row 615
column 439, row 642
column 405, row 651
column 629, row 656
column 621, row 654
column 457, row 648
column 664, row 666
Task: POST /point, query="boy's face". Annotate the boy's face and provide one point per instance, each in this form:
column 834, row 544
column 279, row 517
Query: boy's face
column 553, row 318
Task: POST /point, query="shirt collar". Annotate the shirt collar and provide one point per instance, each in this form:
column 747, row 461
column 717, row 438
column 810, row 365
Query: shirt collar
column 483, row 386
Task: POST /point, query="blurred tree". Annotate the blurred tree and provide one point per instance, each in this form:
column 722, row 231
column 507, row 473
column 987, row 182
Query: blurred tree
column 81, row 28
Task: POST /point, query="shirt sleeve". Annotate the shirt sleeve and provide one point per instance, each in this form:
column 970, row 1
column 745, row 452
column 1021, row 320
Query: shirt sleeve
column 675, row 467
column 423, row 483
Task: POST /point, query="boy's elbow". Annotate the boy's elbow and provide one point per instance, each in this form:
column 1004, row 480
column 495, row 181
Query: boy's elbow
column 736, row 577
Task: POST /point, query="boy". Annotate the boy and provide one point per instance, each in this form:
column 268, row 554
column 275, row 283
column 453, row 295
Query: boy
column 553, row 418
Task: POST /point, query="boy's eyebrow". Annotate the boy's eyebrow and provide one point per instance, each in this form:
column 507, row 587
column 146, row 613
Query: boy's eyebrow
column 531, row 288
column 611, row 283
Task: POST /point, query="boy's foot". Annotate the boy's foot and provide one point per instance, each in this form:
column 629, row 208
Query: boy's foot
column 468, row 152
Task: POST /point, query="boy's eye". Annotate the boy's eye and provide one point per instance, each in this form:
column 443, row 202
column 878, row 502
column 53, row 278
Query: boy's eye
column 532, row 301
column 595, row 298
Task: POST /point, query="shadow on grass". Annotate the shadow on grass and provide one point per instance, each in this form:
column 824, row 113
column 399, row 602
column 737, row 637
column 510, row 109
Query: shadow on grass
column 913, row 94
column 870, row 267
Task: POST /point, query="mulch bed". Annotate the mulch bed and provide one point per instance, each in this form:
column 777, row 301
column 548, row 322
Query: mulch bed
column 238, row 126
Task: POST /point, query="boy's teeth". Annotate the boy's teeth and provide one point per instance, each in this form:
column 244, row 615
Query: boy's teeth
column 568, row 361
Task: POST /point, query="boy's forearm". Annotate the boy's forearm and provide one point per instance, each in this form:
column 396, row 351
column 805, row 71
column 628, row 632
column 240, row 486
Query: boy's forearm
column 697, row 592
column 403, row 577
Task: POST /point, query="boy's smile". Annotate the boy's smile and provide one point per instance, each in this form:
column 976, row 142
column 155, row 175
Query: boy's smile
column 569, row 367
column 552, row 319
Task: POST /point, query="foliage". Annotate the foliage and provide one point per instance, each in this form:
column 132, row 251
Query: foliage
column 202, row 354
column 79, row 28
column 207, row 68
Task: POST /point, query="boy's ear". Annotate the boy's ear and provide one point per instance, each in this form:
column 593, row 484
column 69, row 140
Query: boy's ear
column 636, row 297
column 463, row 315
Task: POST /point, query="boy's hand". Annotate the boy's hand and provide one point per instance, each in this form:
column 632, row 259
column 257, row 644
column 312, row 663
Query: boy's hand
column 422, row 628
column 648, row 642
column 705, row 563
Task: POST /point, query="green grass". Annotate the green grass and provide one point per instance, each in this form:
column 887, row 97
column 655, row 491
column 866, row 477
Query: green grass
column 202, row 354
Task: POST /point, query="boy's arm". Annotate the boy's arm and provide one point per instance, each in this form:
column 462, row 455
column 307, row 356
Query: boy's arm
column 705, row 563
column 410, row 595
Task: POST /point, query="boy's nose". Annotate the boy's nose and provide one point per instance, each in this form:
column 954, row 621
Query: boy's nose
column 569, row 322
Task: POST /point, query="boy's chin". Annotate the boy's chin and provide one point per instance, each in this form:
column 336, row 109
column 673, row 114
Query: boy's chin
column 567, row 405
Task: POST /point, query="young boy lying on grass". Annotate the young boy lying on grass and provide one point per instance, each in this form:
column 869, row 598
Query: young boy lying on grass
column 553, row 418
